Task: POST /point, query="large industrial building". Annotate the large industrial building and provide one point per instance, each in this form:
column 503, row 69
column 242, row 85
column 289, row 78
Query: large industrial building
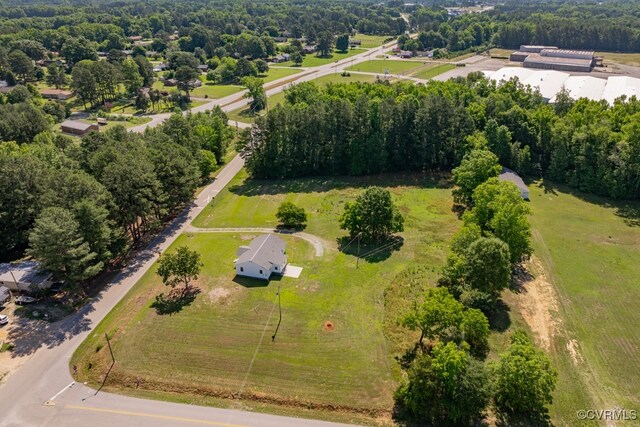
column 552, row 58
column 551, row 82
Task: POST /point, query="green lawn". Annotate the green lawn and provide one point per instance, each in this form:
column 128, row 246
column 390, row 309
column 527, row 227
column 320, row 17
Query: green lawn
column 244, row 115
column 278, row 73
column 381, row 65
column 421, row 70
column 590, row 249
column 312, row 60
column 221, row 343
column 215, row 91
column 369, row 41
column 433, row 70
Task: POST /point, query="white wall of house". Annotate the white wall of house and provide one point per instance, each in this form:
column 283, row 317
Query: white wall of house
column 251, row 269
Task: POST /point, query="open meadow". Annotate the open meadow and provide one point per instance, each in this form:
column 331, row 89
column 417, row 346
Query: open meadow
column 331, row 350
column 589, row 249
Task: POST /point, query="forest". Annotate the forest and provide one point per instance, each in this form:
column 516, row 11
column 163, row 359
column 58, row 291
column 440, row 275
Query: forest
column 365, row 128
column 78, row 207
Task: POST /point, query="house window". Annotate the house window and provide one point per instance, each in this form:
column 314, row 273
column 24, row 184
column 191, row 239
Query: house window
column 241, row 268
column 276, row 268
column 260, row 271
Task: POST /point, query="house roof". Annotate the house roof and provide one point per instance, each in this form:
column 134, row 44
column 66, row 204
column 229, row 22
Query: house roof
column 265, row 250
column 56, row 92
column 509, row 175
column 73, row 124
column 4, row 293
column 24, row 272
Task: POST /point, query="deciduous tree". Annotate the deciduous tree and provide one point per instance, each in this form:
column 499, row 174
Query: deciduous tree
column 373, row 215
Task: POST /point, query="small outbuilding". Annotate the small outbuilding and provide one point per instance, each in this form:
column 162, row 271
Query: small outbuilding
column 74, row 127
column 509, row 175
column 265, row 255
column 22, row 276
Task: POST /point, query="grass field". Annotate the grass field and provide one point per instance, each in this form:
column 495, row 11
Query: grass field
column 369, row 41
column 208, row 347
column 215, row 91
column 433, row 70
column 590, row 249
column 500, row 53
column 621, row 58
column 278, row 73
column 244, row 115
column 394, row 66
column 311, row 60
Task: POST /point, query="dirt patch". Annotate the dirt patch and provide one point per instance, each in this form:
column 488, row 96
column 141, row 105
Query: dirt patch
column 572, row 347
column 219, row 294
column 538, row 303
column 328, row 326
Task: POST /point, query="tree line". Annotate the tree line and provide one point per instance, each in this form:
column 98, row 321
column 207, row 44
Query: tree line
column 78, row 207
column 364, row 128
column 447, row 381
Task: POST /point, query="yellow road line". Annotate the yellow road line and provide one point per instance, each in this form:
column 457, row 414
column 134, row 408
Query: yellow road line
column 161, row 417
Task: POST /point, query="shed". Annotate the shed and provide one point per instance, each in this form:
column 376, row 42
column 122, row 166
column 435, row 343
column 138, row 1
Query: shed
column 265, row 255
column 21, row 276
column 5, row 294
column 509, row 175
column 78, row 128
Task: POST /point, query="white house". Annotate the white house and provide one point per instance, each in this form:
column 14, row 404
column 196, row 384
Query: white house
column 265, row 255
column 20, row 276
column 509, row 175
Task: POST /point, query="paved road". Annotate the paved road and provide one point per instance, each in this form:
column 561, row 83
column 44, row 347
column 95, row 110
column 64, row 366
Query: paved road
column 45, row 376
column 317, row 242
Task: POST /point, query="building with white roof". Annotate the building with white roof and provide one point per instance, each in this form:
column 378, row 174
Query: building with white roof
column 551, row 82
column 22, row 276
column 584, row 87
column 618, row 86
column 548, row 82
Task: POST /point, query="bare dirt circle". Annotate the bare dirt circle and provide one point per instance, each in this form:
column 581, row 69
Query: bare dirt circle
column 328, row 326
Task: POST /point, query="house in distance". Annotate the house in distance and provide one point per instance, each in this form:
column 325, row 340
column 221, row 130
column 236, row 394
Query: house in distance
column 265, row 255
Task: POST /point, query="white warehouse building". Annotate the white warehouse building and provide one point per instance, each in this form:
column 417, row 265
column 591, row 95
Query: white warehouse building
column 550, row 83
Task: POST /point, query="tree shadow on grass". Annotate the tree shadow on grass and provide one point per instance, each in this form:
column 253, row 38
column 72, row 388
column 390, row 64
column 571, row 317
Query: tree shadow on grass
column 499, row 318
column 250, row 282
column 175, row 300
column 371, row 252
column 628, row 210
column 261, row 187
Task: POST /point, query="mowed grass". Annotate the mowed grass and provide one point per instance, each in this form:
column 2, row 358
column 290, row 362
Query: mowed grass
column 422, row 70
column 380, row 66
column 433, row 70
column 278, row 73
column 215, row 91
column 209, row 346
column 243, row 114
column 312, row 60
column 590, row 248
column 370, row 41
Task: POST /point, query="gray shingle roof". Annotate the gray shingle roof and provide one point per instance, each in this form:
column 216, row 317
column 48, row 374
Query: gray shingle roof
column 509, row 175
column 265, row 250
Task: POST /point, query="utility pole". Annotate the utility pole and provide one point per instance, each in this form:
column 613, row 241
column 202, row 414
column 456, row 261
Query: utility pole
column 358, row 257
column 273, row 337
